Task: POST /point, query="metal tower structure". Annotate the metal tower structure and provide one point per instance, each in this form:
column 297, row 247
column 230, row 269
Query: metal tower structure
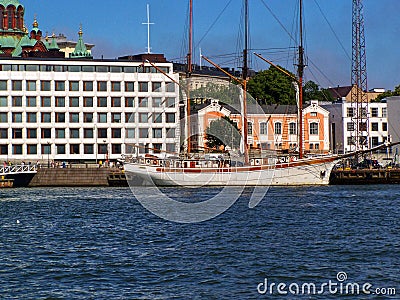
column 359, row 113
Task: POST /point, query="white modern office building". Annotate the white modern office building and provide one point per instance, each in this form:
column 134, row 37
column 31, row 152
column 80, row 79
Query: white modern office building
column 342, row 125
column 86, row 110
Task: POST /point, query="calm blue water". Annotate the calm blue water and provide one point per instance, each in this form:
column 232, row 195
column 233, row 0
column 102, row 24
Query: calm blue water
column 100, row 243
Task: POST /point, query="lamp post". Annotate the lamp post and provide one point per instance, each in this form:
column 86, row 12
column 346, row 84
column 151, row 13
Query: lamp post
column 48, row 155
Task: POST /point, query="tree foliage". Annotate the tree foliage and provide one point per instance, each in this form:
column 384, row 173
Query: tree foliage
column 272, row 87
column 223, row 132
column 312, row 91
column 388, row 93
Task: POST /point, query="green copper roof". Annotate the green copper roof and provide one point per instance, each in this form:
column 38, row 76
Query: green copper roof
column 53, row 45
column 6, row 3
column 80, row 48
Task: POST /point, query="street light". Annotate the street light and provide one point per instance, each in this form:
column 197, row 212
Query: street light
column 48, row 155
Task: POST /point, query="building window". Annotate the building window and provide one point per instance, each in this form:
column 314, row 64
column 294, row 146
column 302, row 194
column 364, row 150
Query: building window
column 60, row 148
column 170, row 118
column 46, row 133
column 384, row 112
column 17, row 117
column 129, row 86
column 143, row 133
column 143, row 102
column 3, row 133
column 384, row 126
column 60, row 133
column 129, row 117
column 88, row 117
column 313, row 114
column 170, row 102
column 74, row 86
column 157, row 133
column 116, row 118
column 102, row 86
column 88, row 68
column 17, row 101
column 375, row 141
column 74, row 117
column 16, row 85
column 88, row 149
column 31, row 149
column 31, row 133
column 45, row 86
column 157, row 102
column 157, row 118
column 313, row 128
column 116, row 133
column 88, row 102
column 73, row 102
column 17, row 149
column 45, row 101
column 59, row 86
column 4, row 149
column 30, row 101
column 170, row 132
column 129, row 102
column 102, row 149
column 74, row 133
column 74, row 148
column 292, row 128
column 350, row 112
column 102, row 133
column 278, row 128
column 60, row 117
column 130, row 133
column 17, row 133
column 102, row 102
column 170, row 148
column 3, row 101
column 88, row 133
column 3, row 117
column 263, row 128
column 170, row 87
column 143, row 87
column 31, row 85
column 374, row 126
column 157, row 148
column 350, row 126
column 115, row 69
column 143, row 118
column 156, row 87
column 3, row 85
column 115, row 86
column 102, row 117
column 362, row 126
column 250, row 128
column 88, row 86
column 60, row 102
column 115, row 102
column 374, row 112
column 31, row 117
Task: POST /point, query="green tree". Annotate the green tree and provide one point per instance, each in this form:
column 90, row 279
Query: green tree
column 223, row 132
column 272, row 87
column 312, row 91
column 388, row 93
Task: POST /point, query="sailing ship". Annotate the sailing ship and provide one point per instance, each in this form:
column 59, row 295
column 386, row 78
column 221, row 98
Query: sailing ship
column 187, row 170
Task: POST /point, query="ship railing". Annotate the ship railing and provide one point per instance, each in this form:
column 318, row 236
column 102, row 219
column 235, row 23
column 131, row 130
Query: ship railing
column 17, row 169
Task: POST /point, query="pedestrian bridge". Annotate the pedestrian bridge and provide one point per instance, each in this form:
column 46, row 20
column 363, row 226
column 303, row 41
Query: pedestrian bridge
column 18, row 169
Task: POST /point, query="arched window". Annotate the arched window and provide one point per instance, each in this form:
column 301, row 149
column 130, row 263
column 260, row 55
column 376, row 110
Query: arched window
column 20, row 18
column 2, row 17
column 11, row 16
column 278, row 128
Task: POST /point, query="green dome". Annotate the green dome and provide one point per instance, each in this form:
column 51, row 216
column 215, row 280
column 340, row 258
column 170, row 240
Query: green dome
column 6, row 3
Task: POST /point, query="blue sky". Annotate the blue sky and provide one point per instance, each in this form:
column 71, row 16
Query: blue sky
column 115, row 27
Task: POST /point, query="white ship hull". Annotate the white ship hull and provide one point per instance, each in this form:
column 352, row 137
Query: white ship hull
column 311, row 171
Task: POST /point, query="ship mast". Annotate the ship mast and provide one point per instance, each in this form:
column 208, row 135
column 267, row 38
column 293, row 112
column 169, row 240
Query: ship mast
column 244, row 77
column 300, row 72
column 188, row 75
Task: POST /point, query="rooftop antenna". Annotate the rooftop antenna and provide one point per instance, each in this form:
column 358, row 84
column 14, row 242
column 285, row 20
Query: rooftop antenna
column 148, row 29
